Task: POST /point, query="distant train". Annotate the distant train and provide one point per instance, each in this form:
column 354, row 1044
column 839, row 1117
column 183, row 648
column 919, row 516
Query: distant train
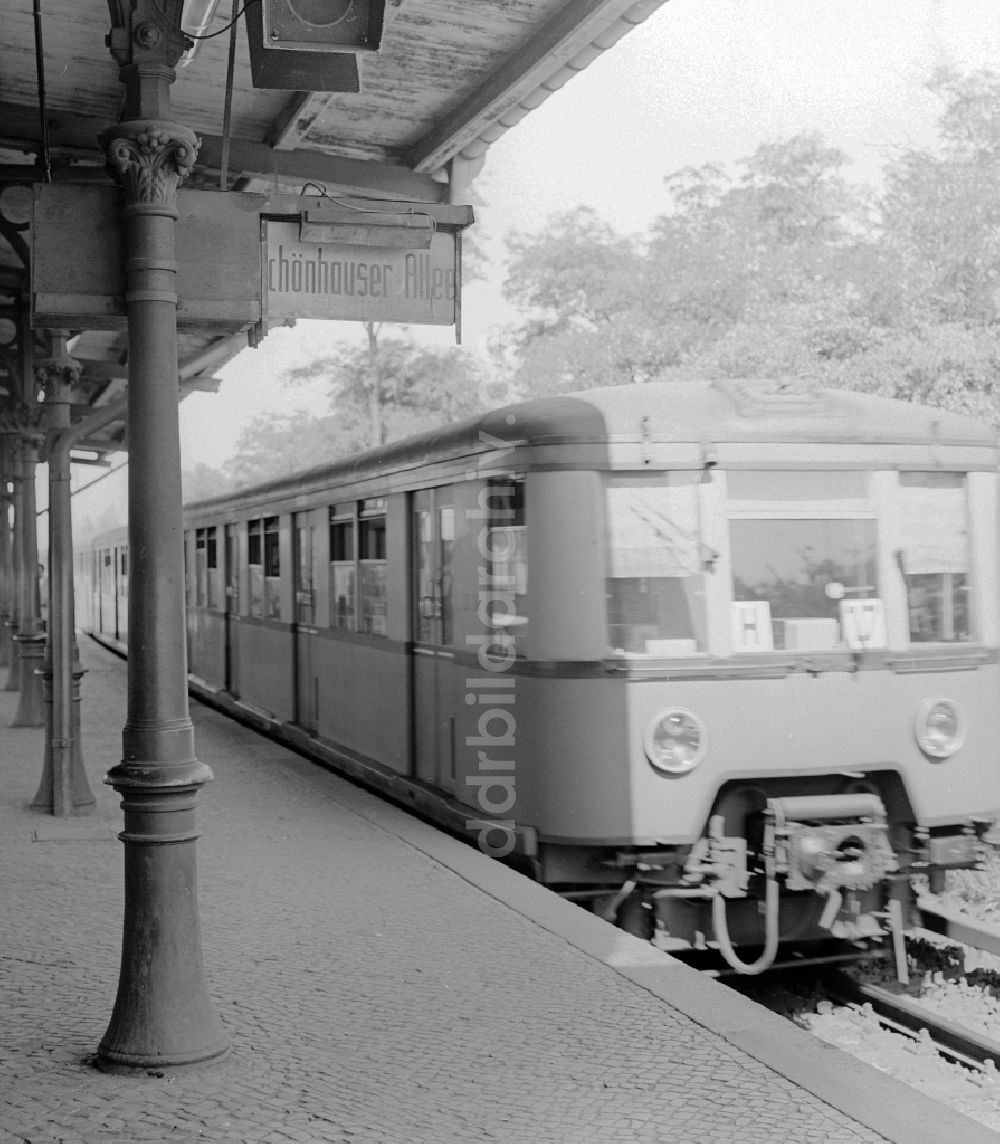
column 718, row 658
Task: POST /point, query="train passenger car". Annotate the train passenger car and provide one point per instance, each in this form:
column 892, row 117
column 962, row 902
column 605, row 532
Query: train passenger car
column 720, row 658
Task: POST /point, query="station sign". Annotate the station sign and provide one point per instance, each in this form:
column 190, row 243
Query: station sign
column 362, row 260
column 361, row 282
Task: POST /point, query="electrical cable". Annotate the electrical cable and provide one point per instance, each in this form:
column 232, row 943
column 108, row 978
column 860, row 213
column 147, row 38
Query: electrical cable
column 211, row 35
column 228, row 113
column 40, row 71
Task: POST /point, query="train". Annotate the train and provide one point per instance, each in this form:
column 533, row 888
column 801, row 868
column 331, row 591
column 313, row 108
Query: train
column 716, row 659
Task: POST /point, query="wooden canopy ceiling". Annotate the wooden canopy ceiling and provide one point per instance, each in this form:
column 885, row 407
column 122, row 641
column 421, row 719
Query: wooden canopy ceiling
column 451, row 77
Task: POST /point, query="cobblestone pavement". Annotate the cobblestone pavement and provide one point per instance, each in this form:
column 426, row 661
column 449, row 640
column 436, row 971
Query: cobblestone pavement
column 370, row 993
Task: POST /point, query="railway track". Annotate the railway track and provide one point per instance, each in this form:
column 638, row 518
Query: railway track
column 902, row 1014
column 959, row 927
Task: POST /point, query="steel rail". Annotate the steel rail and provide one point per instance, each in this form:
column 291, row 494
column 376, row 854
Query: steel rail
column 968, row 1047
column 959, row 927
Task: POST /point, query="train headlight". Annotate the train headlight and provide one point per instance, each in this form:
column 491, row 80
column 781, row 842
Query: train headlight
column 676, row 741
column 940, row 727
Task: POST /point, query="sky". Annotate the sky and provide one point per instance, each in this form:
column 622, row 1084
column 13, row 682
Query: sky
column 701, row 81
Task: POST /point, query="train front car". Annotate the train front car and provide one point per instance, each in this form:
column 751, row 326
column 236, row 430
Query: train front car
column 796, row 598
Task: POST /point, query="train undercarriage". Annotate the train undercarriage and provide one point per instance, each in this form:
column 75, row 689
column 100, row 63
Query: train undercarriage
column 807, row 877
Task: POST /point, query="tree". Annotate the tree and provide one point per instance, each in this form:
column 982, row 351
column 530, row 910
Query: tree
column 781, row 267
column 729, row 254
column 203, row 482
column 385, row 390
column 398, row 386
column 941, row 209
column 271, row 447
column 582, row 287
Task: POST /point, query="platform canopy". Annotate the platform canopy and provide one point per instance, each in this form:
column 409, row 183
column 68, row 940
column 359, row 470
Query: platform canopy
column 450, row 77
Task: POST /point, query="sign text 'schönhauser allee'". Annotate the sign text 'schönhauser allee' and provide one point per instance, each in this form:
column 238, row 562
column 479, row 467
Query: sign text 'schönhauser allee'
column 363, row 283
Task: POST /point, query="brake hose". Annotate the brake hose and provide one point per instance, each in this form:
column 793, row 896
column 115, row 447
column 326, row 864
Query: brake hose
column 721, row 926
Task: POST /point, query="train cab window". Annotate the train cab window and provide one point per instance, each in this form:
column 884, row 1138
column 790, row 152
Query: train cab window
column 934, row 555
column 656, row 561
column 272, row 568
column 343, row 574
column 803, row 551
column 371, row 566
column 255, row 564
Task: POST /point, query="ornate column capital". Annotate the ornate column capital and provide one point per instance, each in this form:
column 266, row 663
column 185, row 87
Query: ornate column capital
column 149, row 159
column 57, row 374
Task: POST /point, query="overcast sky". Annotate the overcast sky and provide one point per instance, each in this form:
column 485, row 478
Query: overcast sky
column 701, row 81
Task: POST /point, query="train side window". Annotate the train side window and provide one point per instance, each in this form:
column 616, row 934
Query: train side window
column 232, row 569
column 200, row 567
column 255, row 564
column 934, row 557
column 343, row 573
column 107, row 574
column 507, row 545
column 212, row 567
column 656, row 561
column 371, row 565
column 272, row 568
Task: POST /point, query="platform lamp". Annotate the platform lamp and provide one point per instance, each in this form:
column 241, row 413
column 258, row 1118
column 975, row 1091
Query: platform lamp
column 312, row 45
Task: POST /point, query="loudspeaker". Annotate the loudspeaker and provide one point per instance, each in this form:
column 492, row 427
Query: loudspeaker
column 323, row 25
column 298, row 64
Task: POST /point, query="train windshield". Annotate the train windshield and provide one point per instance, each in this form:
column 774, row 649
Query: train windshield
column 655, row 575
column 805, row 567
column 804, row 560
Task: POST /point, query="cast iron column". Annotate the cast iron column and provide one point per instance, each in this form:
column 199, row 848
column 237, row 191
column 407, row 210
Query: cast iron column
column 30, row 639
column 64, row 788
column 162, row 1014
column 17, row 514
column 6, row 563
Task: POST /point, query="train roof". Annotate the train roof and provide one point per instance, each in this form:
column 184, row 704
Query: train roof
column 703, row 412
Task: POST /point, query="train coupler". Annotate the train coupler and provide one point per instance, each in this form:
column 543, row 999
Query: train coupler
column 830, row 843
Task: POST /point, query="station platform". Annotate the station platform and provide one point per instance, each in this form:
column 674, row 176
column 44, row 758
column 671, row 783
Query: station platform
column 380, row 983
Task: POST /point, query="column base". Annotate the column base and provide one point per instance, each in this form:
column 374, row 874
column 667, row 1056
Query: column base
column 14, row 675
column 31, row 708
column 163, row 1017
column 6, row 642
column 53, row 790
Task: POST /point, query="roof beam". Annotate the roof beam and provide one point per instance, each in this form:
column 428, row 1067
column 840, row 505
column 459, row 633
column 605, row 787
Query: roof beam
column 76, row 135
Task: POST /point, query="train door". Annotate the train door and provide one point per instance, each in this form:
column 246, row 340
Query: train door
column 433, row 542
column 306, row 682
column 231, row 613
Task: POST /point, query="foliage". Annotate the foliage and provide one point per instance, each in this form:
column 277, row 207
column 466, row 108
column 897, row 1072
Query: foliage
column 380, row 392
column 782, row 267
column 203, row 482
column 779, row 267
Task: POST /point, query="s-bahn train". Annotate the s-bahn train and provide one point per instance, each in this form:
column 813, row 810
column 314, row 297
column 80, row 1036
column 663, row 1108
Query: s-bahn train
column 719, row 659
